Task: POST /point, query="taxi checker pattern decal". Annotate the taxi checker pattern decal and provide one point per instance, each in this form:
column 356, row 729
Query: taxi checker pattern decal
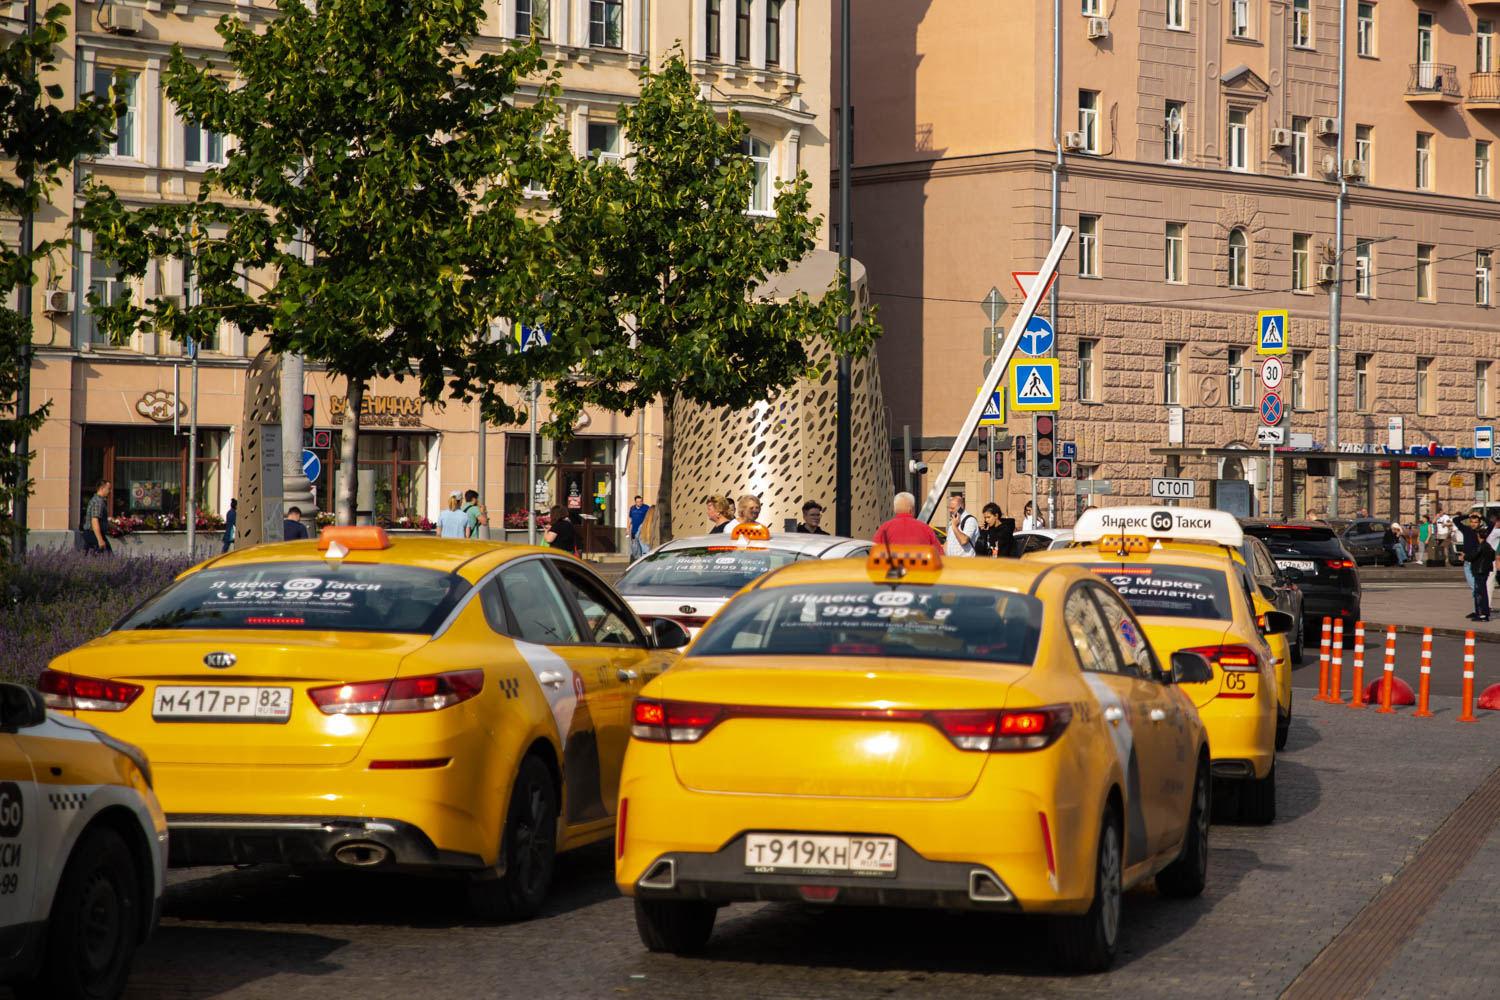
column 67, row 800
column 511, row 686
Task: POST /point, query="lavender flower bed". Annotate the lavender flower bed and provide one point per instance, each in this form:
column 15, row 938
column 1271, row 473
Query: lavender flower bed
column 55, row 600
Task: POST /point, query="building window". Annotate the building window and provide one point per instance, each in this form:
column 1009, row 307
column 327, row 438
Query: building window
column 606, row 23
column 580, row 475
column 742, row 30
column 148, row 468
column 711, row 29
column 1239, row 139
column 190, row 297
column 1172, row 375
column 1364, row 269
column 1299, row 147
column 201, row 147
column 1482, row 388
column 124, row 144
column 1482, row 268
column 1424, row 36
column 1424, row 388
column 1297, row 377
column 1088, row 245
column 1482, row 168
column 1302, row 24
column 604, row 142
column 1177, row 14
column 1301, row 262
column 1365, row 30
column 1093, row 8
column 1484, row 46
column 1426, row 292
column 108, row 287
column 531, row 15
column 760, row 191
column 1362, row 382
column 1175, row 130
column 1239, row 19
column 1238, row 378
column 1088, row 119
column 1364, row 149
column 1176, row 262
column 773, row 32
column 1088, row 391
column 399, row 464
column 1239, row 259
column 1424, row 160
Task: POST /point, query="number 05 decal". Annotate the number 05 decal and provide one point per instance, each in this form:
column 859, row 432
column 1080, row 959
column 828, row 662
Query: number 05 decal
column 1234, row 681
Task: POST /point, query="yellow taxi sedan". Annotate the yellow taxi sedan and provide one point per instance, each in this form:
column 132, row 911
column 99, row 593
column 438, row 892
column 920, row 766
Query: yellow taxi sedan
column 366, row 702
column 1194, row 597
column 899, row 730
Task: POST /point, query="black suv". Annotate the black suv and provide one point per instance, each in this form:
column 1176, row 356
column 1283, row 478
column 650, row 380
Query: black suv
column 1310, row 555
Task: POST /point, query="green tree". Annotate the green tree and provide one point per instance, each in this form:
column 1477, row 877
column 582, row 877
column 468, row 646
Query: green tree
column 39, row 139
column 372, row 214
column 660, row 266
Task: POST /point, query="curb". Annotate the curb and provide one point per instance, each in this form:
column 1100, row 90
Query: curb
column 1437, row 633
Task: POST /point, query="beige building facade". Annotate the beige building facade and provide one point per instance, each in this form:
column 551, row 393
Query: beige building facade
column 121, row 411
column 1198, row 164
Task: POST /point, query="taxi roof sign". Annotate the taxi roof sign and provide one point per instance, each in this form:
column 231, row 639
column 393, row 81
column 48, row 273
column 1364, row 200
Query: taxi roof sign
column 751, row 532
column 887, row 558
column 351, row 537
column 1180, row 523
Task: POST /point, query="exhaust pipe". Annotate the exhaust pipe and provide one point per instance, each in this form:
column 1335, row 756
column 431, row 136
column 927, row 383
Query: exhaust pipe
column 360, row 854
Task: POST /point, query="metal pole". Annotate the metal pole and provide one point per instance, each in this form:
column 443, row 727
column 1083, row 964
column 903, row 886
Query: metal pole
column 23, row 306
column 1336, row 293
column 640, row 458
column 192, row 497
column 531, row 474
column 843, row 500
column 906, row 458
column 1271, row 481
column 484, row 529
column 1057, row 165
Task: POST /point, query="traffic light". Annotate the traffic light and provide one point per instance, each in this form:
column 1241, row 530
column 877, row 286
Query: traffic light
column 1020, row 454
column 1046, row 446
column 984, row 449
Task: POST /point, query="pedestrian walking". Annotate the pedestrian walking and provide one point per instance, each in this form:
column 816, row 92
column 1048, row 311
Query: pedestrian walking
column 812, row 517
column 1424, row 538
column 1443, row 527
column 231, row 521
column 1482, row 564
column 720, row 514
column 904, row 528
column 1029, row 521
column 453, row 522
column 95, row 525
column 560, row 533
column 997, row 533
column 292, row 528
column 650, row 533
column 1467, row 528
column 638, row 511
column 747, row 511
column 475, row 512
column 962, row 527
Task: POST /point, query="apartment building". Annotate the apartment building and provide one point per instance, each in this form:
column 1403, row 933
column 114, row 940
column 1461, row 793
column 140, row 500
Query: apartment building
column 121, row 411
column 1197, row 160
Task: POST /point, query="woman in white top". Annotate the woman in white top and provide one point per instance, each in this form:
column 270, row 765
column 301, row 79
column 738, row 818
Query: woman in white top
column 453, row 523
column 1029, row 521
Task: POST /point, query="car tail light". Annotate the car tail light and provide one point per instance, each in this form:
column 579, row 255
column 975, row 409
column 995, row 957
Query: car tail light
column 1047, row 841
column 995, row 731
column 402, row 695
column 409, row 765
column 620, row 829
column 1241, row 658
column 672, row 721
column 71, row 692
column 1339, row 563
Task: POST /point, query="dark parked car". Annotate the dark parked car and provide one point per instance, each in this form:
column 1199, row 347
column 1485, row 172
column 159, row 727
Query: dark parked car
column 1274, row 586
column 1312, row 557
column 1364, row 537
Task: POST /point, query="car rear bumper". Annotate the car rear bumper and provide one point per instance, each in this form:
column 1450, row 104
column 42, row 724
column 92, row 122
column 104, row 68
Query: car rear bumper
column 335, row 841
column 1242, row 731
column 1315, row 607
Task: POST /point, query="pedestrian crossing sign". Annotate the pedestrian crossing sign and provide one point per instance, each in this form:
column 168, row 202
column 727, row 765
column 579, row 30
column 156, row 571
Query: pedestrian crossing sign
column 1272, row 326
column 994, row 409
column 1033, row 385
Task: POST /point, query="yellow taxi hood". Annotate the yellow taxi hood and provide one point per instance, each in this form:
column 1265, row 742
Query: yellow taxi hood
column 1168, row 635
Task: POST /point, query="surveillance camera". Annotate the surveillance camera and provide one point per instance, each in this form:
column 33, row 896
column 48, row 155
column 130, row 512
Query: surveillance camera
column 916, row 468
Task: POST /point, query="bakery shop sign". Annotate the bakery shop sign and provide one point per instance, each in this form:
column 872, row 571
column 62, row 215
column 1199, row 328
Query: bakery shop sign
column 160, row 406
column 380, row 411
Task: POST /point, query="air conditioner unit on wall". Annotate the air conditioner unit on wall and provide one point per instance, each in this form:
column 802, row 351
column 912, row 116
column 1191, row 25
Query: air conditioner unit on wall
column 1328, row 126
column 57, row 302
column 1098, row 27
column 1354, row 170
column 1074, row 140
column 118, row 19
column 1327, row 274
column 1281, row 137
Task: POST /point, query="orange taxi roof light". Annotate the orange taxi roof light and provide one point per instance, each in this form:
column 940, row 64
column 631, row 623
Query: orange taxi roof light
column 907, row 557
column 361, row 536
column 751, row 532
column 1124, row 544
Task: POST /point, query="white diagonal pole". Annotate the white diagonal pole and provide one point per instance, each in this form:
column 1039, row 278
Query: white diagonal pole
column 997, row 371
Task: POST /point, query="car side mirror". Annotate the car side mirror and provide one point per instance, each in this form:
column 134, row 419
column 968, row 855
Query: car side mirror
column 1277, row 622
column 1268, row 592
column 21, row 707
column 1191, row 668
column 667, row 634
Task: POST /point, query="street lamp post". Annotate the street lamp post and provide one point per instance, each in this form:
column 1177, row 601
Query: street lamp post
column 843, row 438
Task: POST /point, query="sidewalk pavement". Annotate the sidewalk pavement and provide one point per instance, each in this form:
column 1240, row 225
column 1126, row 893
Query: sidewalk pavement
column 1439, row 606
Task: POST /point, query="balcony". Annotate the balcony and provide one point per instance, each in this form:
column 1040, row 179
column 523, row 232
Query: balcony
column 1484, row 92
column 1433, row 83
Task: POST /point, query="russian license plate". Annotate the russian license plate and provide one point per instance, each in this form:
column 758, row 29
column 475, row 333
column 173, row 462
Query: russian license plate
column 222, row 704
column 1305, row 565
column 771, row 853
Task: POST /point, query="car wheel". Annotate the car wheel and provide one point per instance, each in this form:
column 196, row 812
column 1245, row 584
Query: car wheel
column 1298, row 643
column 1185, row 877
column 1088, row 943
column 1258, row 799
column 530, row 846
column 678, row 926
column 95, row 923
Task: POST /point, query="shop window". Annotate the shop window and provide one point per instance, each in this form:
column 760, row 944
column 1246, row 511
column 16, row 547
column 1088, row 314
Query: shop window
column 579, row 475
column 149, row 469
column 397, row 475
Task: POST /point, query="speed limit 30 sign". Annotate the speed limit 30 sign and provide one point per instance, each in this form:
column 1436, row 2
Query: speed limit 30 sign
column 1271, row 373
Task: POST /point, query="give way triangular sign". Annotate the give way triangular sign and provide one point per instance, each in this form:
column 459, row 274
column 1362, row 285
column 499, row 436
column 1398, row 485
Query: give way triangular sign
column 1025, row 279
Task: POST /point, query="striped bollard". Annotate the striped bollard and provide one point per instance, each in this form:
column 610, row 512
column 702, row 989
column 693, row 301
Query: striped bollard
column 1322, row 694
column 1424, row 689
column 1468, row 715
column 1390, row 672
column 1357, row 695
column 1336, row 675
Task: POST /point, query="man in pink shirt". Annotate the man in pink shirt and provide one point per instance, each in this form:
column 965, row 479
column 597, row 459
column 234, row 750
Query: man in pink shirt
column 904, row 528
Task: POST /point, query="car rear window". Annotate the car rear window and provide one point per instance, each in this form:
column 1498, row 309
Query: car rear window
column 305, row 596
column 1298, row 541
column 1171, row 591
column 718, row 568
column 867, row 619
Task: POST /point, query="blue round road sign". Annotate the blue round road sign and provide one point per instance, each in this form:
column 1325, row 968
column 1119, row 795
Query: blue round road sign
column 1037, row 340
column 311, row 466
column 1270, row 409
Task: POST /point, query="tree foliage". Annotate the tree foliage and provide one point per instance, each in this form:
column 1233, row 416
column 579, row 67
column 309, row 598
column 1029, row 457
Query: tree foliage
column 372, row 213
column 39, row 138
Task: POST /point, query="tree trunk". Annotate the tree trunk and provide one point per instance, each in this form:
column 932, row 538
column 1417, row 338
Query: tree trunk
column 664, row 488
column 349, row 449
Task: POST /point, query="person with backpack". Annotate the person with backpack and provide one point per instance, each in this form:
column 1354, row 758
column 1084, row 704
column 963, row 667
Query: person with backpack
column 474, row 512
column 962, row 528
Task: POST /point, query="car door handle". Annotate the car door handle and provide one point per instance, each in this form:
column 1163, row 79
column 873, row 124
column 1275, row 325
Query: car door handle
column 626, row 675
column 551, row 677
column 1113, row 714
column 1157, row 715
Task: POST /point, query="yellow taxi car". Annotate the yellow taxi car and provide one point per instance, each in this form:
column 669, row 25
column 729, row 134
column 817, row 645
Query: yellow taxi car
column 83, row 845
column 1193, row 596
column 900, row 730
column 361, row 701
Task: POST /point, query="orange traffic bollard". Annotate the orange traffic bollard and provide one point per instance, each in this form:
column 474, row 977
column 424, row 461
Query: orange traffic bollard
column 1390, row 672
column 1322, row 694
column 1424, row 687
column 1356, row 695
column 1468, row 715
column 1336, row 675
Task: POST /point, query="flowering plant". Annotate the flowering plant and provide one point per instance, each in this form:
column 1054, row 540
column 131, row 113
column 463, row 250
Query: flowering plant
column 326, row 518
column 517, row 519
column 411, row 523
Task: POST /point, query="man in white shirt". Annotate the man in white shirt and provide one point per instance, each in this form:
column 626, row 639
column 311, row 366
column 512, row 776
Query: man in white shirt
column 1442, row 537
column 962, row 527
